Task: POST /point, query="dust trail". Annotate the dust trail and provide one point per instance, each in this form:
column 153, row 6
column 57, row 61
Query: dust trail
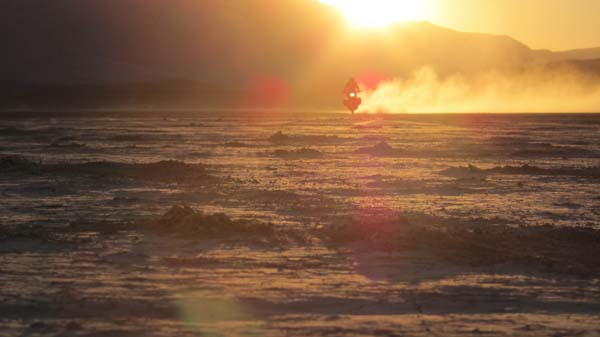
column 563, row 89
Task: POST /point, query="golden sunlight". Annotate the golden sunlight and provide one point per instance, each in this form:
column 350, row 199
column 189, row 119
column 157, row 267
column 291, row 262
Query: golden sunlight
column 380, row 13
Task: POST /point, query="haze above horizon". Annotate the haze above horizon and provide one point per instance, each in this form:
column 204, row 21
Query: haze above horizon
column 541, row 24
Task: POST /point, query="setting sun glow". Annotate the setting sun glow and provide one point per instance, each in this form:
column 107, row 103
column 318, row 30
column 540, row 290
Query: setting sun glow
column 379, row 13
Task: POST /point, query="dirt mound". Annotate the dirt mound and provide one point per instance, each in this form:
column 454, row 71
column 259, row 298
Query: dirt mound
column 303, row 153
column 473, row 242
column 168, row 170
column 279, row 138
column 561, row 171
column 67, row 145
column 469, row 172
column 381, row 149
column 472, row 171
column 185, row 221
column 367, row 125
column 378, row 231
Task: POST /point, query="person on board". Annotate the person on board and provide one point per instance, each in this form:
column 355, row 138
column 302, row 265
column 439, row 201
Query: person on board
column 351, row 87
column 351, row 99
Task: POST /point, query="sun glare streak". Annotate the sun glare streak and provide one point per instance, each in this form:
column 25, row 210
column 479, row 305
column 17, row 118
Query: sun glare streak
column 379, row 13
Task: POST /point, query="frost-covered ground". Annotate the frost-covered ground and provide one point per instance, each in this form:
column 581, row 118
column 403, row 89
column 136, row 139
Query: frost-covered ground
column 331, row 225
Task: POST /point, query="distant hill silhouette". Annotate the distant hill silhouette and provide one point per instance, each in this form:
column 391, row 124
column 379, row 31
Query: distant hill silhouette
column 183, row 52
column 579, row 54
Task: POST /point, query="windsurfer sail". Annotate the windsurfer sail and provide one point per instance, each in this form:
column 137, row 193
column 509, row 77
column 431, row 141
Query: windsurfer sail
column 351, row 99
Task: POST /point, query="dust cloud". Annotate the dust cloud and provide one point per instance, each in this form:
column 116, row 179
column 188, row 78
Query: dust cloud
column 539, row 89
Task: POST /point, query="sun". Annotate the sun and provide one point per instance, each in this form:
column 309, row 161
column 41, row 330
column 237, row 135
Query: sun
column 379, row 13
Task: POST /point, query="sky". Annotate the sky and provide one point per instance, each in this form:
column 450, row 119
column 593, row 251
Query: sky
column 541, row 24
column 140, row 40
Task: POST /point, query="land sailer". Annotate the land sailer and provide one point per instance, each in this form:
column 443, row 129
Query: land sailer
column 351, row 99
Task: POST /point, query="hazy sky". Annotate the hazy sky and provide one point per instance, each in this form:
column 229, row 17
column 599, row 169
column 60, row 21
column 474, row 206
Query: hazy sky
column 126, row 40
column 551, row 24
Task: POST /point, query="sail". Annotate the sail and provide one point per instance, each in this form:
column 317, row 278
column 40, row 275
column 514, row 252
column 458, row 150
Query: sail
column 351, row 99
column 351, row 87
